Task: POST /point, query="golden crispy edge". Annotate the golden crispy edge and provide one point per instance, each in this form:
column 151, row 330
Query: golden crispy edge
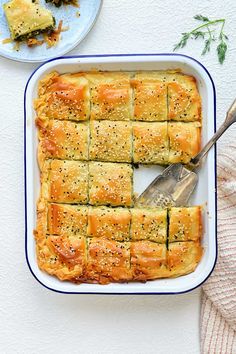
column 191, row 259
column 198, row 219
column 188, row 80
column 139, row 125
column 184, row 158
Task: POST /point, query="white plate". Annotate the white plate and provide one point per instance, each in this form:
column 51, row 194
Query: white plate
column 205, row 193
column 79, row 27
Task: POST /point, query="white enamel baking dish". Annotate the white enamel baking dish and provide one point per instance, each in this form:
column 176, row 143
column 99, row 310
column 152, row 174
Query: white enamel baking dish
column 205, row 193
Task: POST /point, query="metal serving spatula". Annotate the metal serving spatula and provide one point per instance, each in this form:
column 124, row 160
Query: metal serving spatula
column 177, row 182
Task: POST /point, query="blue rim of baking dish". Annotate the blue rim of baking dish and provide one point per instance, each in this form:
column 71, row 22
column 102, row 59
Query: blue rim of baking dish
column 25, row 184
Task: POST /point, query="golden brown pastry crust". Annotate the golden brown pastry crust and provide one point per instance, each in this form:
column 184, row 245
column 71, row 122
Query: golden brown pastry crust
column 149, row 224
column 184, row 102
column 109, row 223
column 148, row 260
column 99, row 256
column 111, row 241
column 110, row 184
column 183, row 257
column 42, row 220
column 62, row 256
column 185, row 224
column 110, row 141
column 184, row 140
column 108, row 261
column 63, row 97
column 111, row 96
column 66, row 219
column 62, row 140
column 65, row 181
column 150, row 143
column 150, row 97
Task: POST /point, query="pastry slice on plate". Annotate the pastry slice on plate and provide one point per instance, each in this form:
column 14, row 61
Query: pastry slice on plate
column 26, row 19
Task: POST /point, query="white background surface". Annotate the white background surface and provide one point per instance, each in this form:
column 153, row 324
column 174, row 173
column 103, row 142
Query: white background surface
column 34, row 320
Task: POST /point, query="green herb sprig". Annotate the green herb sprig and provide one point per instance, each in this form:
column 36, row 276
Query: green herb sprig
column 208, row 32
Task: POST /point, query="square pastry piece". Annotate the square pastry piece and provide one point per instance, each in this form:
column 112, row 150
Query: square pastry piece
column 110, row 184
column 111, row 96
column 149, row 224
column 67, row 219
column 62, row 140
column 64, row 97
column 26, row 18
column 184, row 102
column 65, row 181
column 150, row 97
column 185, row 224
column 109, row 223
column 108, row 261
column 150, row 143
column 63, row 256
column 110, row 141
column 183, row 257
column 148, row 260
column 184, row 140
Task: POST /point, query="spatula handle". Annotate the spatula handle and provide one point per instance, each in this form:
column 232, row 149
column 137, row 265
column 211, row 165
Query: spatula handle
column 230, row 119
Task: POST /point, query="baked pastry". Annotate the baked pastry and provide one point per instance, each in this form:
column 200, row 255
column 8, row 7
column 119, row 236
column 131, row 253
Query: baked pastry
column 148, row 260
column 108, row 261
column 111, row 95
column 150, row 143
column 149, row 224
column 150, row 97
column 185, row 224
column 65, row 181
column 63, row 97
column 65, row 219
column 184, row 102
column 183, row 257
column 110, row 141
column 87, row 228
column 184, row 140
column 62, row 139
column 109, row 223
column 86, row 244
column 110, row 184
column 58, row 3
column 26, row 19
column 62, row 256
